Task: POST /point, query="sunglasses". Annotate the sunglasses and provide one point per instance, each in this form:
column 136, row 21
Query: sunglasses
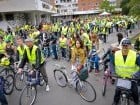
column 125, row 45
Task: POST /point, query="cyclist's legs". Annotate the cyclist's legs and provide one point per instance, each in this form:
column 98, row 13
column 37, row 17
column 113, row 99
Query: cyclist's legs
column 135, row 92
column 44, row 73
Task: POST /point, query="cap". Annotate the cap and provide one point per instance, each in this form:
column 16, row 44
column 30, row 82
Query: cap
column 126, row 41
column 28, row 40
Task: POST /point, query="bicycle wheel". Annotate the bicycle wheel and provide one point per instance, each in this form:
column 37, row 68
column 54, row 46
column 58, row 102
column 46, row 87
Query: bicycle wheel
column 19, row 81
column 124, row 101
column 8, row 84
column 28, row 95
column 60, row 78
column 104, row 85
column 86, row 91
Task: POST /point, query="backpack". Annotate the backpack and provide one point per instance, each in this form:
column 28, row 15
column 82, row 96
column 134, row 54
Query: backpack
column 83, row 74
column 1, row 85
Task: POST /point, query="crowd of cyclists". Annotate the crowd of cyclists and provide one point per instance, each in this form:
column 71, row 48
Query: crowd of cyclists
column 78, row 38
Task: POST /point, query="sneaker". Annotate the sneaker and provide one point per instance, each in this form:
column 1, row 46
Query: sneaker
column 47, row 88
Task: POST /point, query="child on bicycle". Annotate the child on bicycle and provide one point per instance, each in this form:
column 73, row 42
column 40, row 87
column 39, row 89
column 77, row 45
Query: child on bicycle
column 94, row 60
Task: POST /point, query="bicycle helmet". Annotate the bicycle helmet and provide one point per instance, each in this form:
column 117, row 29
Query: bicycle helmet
column 126, row 41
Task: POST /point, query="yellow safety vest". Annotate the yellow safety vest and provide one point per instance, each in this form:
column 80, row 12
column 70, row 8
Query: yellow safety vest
column 2, row 47
column 64, row 30
column 62, row 42
column 21, row 51
column 127, row 68
column 32, row 56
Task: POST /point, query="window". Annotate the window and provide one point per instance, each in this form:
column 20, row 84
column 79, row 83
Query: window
column 9, row 16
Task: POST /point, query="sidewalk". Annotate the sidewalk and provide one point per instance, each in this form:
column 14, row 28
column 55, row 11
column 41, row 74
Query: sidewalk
column 112, row 39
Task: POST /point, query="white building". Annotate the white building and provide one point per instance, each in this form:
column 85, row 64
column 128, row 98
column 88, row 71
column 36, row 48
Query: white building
column 66, row 8
column 18, row 12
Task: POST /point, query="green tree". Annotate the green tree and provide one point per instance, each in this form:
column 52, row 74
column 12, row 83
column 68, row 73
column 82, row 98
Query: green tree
column 125, row 7
column 134, row 6
column 105, row 5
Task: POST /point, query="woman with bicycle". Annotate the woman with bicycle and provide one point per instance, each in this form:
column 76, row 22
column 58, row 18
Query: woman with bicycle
column 126, row 62
column 78, row 55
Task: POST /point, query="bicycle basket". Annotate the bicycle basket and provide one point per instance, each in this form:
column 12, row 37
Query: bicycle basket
column 83, row 74
column 125, row 84
column 1, row 85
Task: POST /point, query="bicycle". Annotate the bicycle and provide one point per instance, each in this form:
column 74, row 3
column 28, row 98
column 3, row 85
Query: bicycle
column 107, row 75
column 20, row 79
column 29, row 92
column 81, row 86
column 8, row 82
column 125, row 87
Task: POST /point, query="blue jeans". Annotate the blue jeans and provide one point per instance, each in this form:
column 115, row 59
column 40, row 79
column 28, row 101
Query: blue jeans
column 46, row 51
column 54, row 51
column 63, row 52
column 3, row 99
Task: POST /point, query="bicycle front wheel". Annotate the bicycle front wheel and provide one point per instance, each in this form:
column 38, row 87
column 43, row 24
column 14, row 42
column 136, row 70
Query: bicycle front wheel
column 104, row 85
column 9, row 84
column 86, row 91
column 19, row 81
column 28, row 95
column 60, row 78
column 124, row 101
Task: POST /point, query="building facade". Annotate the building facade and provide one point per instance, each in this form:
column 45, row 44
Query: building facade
column 85, row 5
column 19, row 12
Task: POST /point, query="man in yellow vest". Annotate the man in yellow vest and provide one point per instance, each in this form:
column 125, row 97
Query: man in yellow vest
column 64, row 30
column 127, row 63
column 34, row 57
column 63, row 45
column 2, row 47
column 20, row 49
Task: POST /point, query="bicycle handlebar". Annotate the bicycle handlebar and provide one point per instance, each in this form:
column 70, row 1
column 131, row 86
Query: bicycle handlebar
column 126, row 78
column 59, row 66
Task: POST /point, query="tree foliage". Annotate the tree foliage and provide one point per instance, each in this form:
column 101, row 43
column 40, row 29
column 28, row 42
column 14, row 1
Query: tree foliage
column 131, row 7
column 124, row 6
column 105, row 5
column 134, row 6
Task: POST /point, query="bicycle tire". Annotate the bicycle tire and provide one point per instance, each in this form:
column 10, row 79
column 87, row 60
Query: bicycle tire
column 80, row 89
column 124, row 101
column 8, row 84
column 26, row 88
column 62, row 76
column 19, row 82
column 104, row 85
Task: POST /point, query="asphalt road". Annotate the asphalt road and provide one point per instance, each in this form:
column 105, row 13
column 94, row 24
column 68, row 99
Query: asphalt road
column 67, row 95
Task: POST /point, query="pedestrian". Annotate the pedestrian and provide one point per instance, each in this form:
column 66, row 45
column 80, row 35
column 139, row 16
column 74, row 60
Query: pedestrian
column 120, row 37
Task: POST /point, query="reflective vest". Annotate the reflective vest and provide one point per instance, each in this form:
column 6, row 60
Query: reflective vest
column 64, row 30
column 32, row 55
column 127, row 68
column 62, row 42
column 21, row 51
column 2, row 47
column 95, row 29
